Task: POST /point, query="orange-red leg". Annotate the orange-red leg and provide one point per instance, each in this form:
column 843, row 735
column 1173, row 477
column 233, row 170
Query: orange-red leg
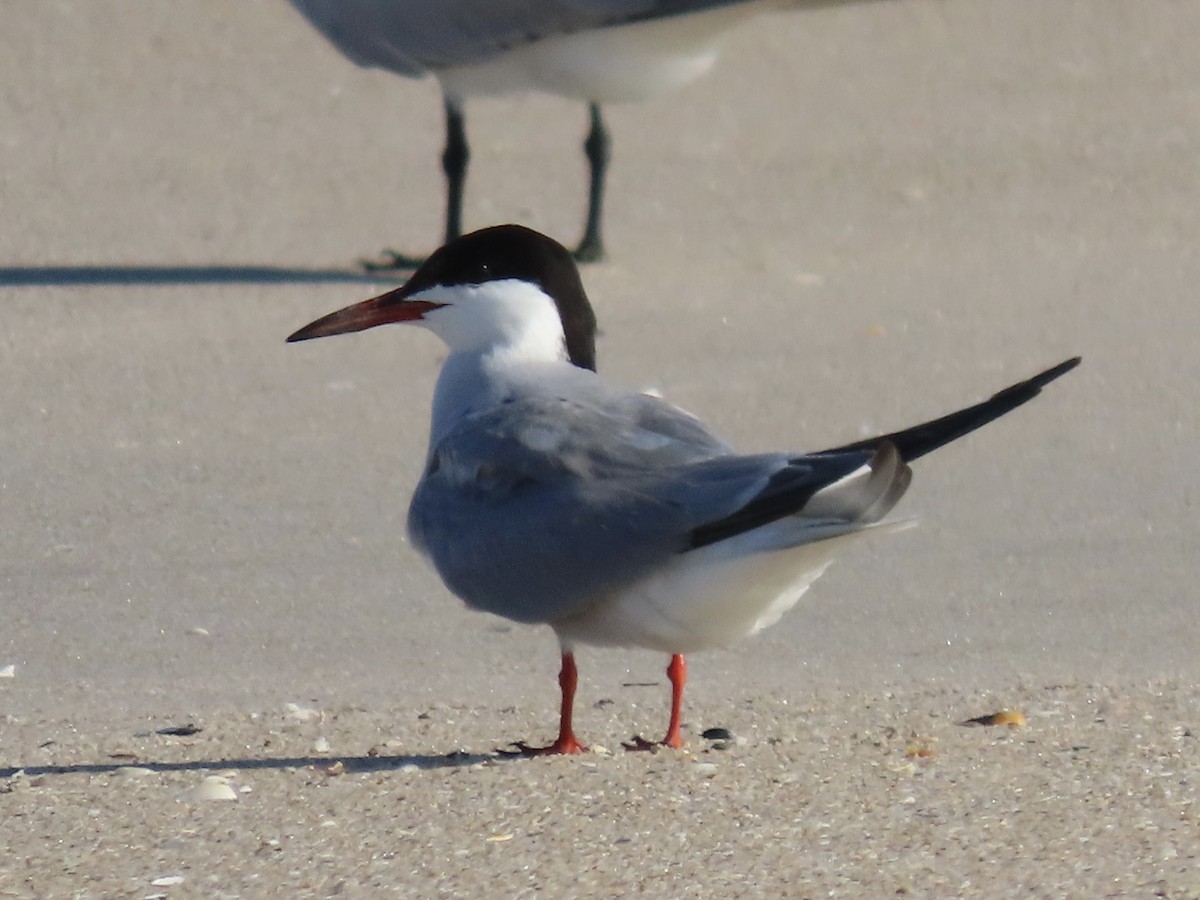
column 677, row 672
column 568, row 679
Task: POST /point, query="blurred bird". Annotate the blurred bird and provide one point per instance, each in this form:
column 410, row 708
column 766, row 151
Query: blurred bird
column 597, row 51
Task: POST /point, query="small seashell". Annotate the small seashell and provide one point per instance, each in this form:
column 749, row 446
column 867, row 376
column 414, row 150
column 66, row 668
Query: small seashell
column 498, row 838
column 1009, row 717
column 8, row 671
column 167, row 880
column 133, row 770
column 198, row 631
column 717, row 734
column 214, row 787
column 320, row 745
column 301, row 713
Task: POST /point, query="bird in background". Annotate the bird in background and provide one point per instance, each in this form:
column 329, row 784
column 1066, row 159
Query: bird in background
column 617, row 519
column 596, row 51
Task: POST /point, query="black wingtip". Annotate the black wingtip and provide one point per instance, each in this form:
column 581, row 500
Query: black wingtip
column 1055, row 372
column 921, row 439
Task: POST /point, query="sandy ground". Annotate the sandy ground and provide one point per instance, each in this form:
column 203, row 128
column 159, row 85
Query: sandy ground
column 866, row 216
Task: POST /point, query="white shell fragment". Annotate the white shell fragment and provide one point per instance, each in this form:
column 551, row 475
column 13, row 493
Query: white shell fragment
column 301, row 713
column 167, row 880
column 8, row 671
column 214, row 787
column 133, row 771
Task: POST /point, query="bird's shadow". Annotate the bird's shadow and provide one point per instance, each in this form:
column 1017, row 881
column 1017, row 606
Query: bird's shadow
column 349, row 764
column 166, row 275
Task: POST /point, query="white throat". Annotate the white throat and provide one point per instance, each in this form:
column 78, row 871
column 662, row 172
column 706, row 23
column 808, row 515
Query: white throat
column 496, row 332
column 510, row 318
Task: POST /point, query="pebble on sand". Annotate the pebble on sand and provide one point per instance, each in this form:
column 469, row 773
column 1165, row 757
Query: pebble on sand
column 1010, row 717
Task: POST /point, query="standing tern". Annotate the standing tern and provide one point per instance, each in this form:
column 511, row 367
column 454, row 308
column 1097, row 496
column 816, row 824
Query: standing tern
column 596, row 51
column 549, row 496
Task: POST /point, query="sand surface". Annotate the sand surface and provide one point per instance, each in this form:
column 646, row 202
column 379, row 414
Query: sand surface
column 866, row 216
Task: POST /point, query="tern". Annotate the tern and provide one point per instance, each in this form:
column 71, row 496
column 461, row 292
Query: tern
column 595, row 51
column 549, row 496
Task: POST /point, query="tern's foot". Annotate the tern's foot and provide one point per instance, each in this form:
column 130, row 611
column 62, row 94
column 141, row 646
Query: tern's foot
column 567, row 745
column 391, row 261
column 590, row 251
column 640, row 744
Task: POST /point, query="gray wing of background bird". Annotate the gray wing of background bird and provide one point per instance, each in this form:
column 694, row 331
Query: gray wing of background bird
column 537, row 508
column 412, row 36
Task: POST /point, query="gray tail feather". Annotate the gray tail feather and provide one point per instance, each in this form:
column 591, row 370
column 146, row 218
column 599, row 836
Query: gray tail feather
column 863, row 497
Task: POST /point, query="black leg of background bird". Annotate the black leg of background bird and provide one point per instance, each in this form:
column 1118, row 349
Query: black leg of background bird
column 591, row 248
column 454, row 163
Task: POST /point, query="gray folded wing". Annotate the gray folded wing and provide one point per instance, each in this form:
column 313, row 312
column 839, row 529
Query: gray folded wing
column 541, row 507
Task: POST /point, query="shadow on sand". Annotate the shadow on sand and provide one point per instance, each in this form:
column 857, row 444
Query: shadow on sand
column 159, row 275
column 351, row 764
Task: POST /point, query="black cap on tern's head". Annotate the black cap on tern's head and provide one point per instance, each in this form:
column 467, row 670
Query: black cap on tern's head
column 499, row 253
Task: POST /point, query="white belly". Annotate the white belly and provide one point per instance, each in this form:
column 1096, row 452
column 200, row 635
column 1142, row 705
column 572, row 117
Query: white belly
column 620, row 64
column 705, row 598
